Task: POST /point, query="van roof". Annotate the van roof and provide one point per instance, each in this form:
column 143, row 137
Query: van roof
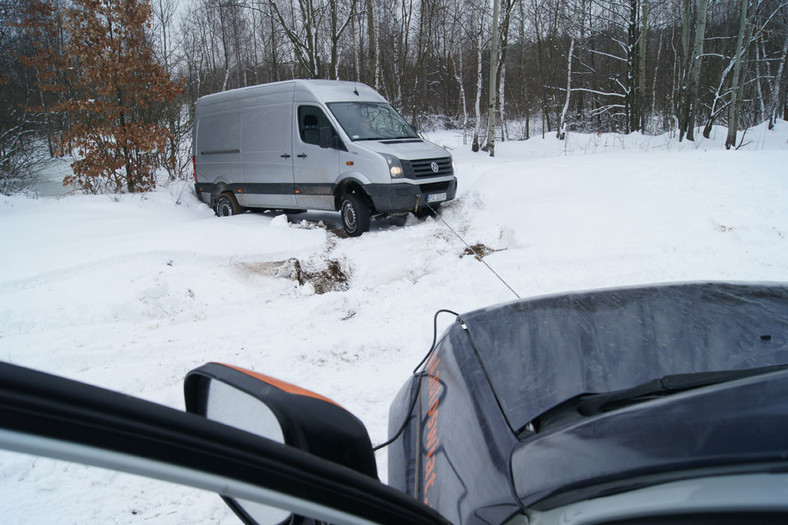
column 322, row 90
column 338, row 90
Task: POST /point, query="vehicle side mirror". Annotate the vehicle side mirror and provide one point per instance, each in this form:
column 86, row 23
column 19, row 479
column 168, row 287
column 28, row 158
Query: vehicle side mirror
column 281, row 412
column 327, row 137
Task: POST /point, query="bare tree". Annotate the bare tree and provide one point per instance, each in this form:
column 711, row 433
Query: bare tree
column 493, row 92
column 775, row 86
column 575, row 29
column 694, row 21
column 478, row 18
column 642, row 54
column 592, row 73
column 736, row 83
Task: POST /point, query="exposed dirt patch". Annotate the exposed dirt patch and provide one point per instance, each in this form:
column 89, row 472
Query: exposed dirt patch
column 332, row 278
column 478, row 251
column 325, row 275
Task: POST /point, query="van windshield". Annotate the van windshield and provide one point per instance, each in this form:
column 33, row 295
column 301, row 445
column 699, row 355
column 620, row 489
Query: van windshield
column 371, row 121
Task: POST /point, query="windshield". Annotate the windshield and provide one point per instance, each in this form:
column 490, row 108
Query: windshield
column 371, row 121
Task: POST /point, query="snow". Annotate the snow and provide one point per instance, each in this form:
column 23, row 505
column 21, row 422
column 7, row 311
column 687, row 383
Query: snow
column 130, row 292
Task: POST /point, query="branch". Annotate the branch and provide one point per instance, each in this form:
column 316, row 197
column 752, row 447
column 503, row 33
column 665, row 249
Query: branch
column 607, row 55
column 603, row 93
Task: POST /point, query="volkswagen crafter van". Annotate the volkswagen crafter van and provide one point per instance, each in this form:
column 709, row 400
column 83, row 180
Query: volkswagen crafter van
column 318, row 145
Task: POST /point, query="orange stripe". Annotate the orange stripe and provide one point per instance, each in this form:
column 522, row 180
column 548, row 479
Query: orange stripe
column 282, row 385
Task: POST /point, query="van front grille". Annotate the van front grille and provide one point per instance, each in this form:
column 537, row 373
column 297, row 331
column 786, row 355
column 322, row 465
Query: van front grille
column 434, row 187
column 423, row 168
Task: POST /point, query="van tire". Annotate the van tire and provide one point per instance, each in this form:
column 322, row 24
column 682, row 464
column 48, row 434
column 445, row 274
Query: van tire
column 355, row 214
column 226, row 205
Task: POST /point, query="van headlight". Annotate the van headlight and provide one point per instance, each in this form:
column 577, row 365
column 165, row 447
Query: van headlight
column 395, row 166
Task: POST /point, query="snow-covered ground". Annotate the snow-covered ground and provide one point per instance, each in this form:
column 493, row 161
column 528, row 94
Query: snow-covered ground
column 130, row 292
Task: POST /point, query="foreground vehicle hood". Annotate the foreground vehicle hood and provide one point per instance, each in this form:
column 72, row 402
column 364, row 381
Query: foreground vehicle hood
column 496, row 429
column 542, row 352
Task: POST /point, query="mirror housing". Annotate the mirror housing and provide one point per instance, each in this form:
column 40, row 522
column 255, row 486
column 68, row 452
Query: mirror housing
column 306, row 420
column 281, row 412
column 326, row 137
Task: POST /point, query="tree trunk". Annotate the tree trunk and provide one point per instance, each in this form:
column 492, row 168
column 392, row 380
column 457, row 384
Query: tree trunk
column 492, row 89
column 696, row 59
column 541, row 69
column 733, row 108
column 642, row 65
column 501, row 69
column 653, row 113
column 372, row 46
column 775, row 91
column 561, row 132
column 686, row 34
column 526, row 100
column 458, row 77
column 274, row 58
column 502, row 98
column 577, row 20
column 761, row 101
column 477, row 104
column 633, row 91
column 719, row 95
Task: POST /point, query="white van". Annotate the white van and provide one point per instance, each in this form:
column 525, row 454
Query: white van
column 315, row 144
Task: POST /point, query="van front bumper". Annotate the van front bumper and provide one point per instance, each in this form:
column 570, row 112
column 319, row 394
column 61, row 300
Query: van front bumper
column 400, row 197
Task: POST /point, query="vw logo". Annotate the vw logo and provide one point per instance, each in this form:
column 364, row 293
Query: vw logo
column 435, row 167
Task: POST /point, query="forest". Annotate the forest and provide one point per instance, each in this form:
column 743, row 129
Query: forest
column 113, row 82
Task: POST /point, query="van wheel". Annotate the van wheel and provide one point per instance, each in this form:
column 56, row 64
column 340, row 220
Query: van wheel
column 226, row 205
column 355, row 215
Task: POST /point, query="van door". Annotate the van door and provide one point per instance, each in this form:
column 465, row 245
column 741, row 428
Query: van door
column 267, row 156
column 315, row 169
column 217, row 148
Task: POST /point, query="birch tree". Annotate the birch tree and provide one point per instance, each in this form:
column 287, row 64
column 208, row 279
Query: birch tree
column 493, row 92
column 736, row 83
column 775, row 87
column 575, row 24
column 693, row 10
column 479, row 31
column 642, row 54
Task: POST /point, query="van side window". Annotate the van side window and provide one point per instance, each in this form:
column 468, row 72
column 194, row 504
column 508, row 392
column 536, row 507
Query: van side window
column 310, row 120
column 219, row 134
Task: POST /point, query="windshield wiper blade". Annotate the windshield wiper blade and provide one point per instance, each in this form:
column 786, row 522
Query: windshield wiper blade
column 598, row 403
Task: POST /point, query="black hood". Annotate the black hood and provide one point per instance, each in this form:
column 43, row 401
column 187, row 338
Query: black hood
column 541, row 352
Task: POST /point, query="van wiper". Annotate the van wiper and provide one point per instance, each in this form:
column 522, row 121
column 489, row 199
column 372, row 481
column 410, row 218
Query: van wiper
column 598, row 403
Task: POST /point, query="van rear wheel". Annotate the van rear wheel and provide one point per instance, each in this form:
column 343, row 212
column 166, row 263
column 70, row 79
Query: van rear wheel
column 226, row 205
column 355, row 214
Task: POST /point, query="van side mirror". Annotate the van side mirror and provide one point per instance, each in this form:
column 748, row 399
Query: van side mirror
column 281, row 412
column 328, row 138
